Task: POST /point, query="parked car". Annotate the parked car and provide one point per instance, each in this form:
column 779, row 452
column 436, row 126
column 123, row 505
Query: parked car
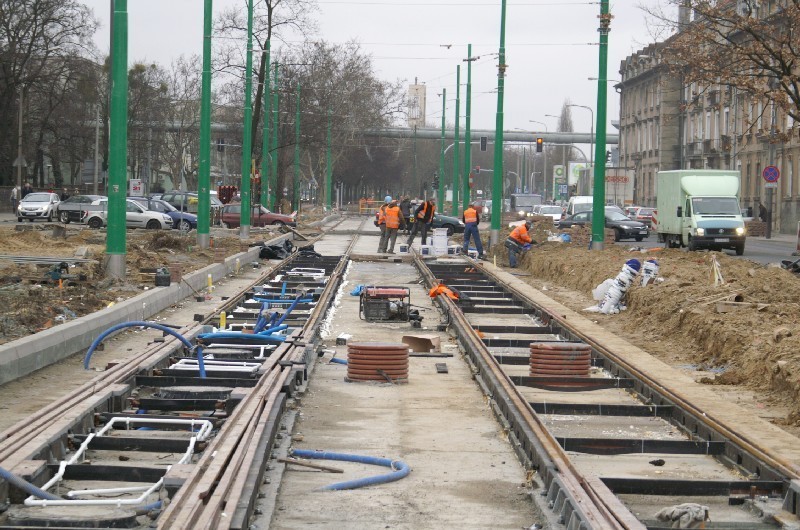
column 136, row 216
column 259, row 216
column 180, row 220
column 549, row 210
column 644, row 215
column 185, row 201
column 453, row 224
column 624, row 228
column 76, row 208
column 38, row 205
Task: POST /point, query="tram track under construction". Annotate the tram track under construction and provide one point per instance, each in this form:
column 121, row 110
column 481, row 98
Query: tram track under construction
column 513, row 411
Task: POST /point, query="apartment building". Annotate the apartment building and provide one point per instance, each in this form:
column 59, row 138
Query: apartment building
column 667, row 124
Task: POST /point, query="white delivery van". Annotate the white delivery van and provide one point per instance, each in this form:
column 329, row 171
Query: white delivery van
column 579, row 203
column 699, row 208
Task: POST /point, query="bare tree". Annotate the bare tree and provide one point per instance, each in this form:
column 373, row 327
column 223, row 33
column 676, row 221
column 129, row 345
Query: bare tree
column 32, row 34
column 750, row 45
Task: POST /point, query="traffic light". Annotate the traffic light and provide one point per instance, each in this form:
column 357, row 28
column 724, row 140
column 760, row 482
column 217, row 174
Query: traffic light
column 539, row 144
column 484, row 141
column 477, row 170
column 608, row 157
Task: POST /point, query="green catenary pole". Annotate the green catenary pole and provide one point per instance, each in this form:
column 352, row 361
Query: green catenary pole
column 599, row 200
column 204, row 167
column 247, row 141
column 296, row 190
column 456, row 146
column 328, row 167
column 265, row 200
column 118, row 145
column 440, row 197
column 274, row 151
column 468, row 132
column 497, row 177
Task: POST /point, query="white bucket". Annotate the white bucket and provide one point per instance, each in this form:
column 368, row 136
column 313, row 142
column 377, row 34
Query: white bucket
column 426, row 250
column 454, row 250
column 403, row 248
column 472, row 253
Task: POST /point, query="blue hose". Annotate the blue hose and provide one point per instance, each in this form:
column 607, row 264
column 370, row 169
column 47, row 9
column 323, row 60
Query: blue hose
column 289, row 310
column 283, row 289
column 147, row 508
column 133, row 324
column 399, row 469
column 26, row 486
column 284, row 301
column 245, row 338
column 336, row 360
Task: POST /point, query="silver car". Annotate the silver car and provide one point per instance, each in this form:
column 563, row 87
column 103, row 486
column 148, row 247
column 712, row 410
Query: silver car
column 38, row 205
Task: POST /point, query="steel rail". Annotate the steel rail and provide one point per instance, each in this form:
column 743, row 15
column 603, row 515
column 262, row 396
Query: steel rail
column 787, row 469
column 215, row 486
column 585, row 500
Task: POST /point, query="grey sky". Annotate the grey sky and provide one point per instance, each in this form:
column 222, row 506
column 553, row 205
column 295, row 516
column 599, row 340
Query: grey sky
column 547, row 47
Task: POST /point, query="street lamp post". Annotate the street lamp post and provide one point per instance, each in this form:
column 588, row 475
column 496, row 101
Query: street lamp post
column 497, row 179
column 591, row 133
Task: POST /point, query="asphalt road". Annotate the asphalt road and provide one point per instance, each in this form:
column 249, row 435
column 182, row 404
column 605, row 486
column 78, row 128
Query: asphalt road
column 757, row 249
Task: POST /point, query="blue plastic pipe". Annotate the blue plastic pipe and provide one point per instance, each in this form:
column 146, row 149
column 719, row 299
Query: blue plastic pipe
column 137, row 324
column 399, row 469
column 289, row 310
column 283, row 289
column 336, row 360
column 26, row 486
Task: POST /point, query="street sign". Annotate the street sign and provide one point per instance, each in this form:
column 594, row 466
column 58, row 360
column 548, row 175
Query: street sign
column 20, row 162
column 136, row 187
column 771, row 174
column 771, row 185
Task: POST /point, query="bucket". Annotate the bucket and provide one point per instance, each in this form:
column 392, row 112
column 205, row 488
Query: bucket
column 403, row 248
column 162, row 277
column 453, row 250
column 426, row 250
column 472, row 253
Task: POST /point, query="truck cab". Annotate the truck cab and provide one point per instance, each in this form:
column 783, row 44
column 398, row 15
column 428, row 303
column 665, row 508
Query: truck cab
column 700, row 209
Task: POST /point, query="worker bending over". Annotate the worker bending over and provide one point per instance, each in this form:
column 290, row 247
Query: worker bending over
column 519, row 241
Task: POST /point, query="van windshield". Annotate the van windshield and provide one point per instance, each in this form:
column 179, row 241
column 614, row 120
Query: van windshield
column 715, row 206
column 581, row 207
column 522, row 201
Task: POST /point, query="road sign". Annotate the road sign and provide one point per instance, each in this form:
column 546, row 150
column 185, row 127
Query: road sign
column 771, row 185
column 771, row 173
column 20, row 162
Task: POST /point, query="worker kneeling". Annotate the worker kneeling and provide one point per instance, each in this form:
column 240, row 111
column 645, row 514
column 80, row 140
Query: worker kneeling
column 518, row 242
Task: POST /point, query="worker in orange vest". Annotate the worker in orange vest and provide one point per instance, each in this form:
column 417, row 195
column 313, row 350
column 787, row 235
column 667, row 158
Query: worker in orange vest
column 424, row 216
column 394, row 218
column 380, row 221
column 471, row 220
column 519, row 241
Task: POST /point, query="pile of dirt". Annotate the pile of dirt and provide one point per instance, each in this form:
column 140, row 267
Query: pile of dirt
column 754, row 344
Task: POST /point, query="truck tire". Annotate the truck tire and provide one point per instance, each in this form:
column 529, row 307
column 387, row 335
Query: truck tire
column 739, row 249
column 692, row 246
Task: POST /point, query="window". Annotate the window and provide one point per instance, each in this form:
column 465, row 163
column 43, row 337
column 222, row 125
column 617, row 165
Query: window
column 789, row 177
column 725, row 121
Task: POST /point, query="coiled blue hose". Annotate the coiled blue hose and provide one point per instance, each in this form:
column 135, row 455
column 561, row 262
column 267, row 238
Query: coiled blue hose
column 26, row 486
column 399, row 468
column 141, row 324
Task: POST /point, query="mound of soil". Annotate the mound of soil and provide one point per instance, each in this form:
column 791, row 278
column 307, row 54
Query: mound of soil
column 754, row 344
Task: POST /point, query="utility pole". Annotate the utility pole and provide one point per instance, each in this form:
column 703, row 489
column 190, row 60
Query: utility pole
column 296, row 189
column 441, row 154
column 265, row 201
column 457, row 147
column 247, row 141
column 497, row 179
column 20, row 159
column 204, row 167
column 96, row 175
column 468, row 133
column 118, row 149
column 275, row 132
column 328, row 166
column 599, row 200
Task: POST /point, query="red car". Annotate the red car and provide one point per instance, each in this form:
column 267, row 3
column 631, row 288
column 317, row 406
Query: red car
column 259, row 216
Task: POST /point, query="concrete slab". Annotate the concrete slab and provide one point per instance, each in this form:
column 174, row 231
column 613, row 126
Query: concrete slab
column 439, row 424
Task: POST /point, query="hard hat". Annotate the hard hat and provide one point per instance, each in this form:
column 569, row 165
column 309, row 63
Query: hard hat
column 387, row 199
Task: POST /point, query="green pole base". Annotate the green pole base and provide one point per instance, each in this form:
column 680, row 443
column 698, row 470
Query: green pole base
column 244, row 232
column 494, row 237
column 598, row 245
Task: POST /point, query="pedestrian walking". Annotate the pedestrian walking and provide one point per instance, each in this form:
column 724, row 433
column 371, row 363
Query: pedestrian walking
column 14, row 199
column 26, row 189
column 423, row 217
column 394, row 218
column 518, row 242
column 405, row 209
column 381, row 221
column 64, row 194
column 471, row 221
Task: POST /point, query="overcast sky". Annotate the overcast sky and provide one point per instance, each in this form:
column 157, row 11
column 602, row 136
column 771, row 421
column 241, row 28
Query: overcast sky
column 550, row 48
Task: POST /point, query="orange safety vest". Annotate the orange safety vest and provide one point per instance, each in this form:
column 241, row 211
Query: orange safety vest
column 520, row 235
column 470, row 215
column 442, row 289
column 382, row 215
column 392, row 216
